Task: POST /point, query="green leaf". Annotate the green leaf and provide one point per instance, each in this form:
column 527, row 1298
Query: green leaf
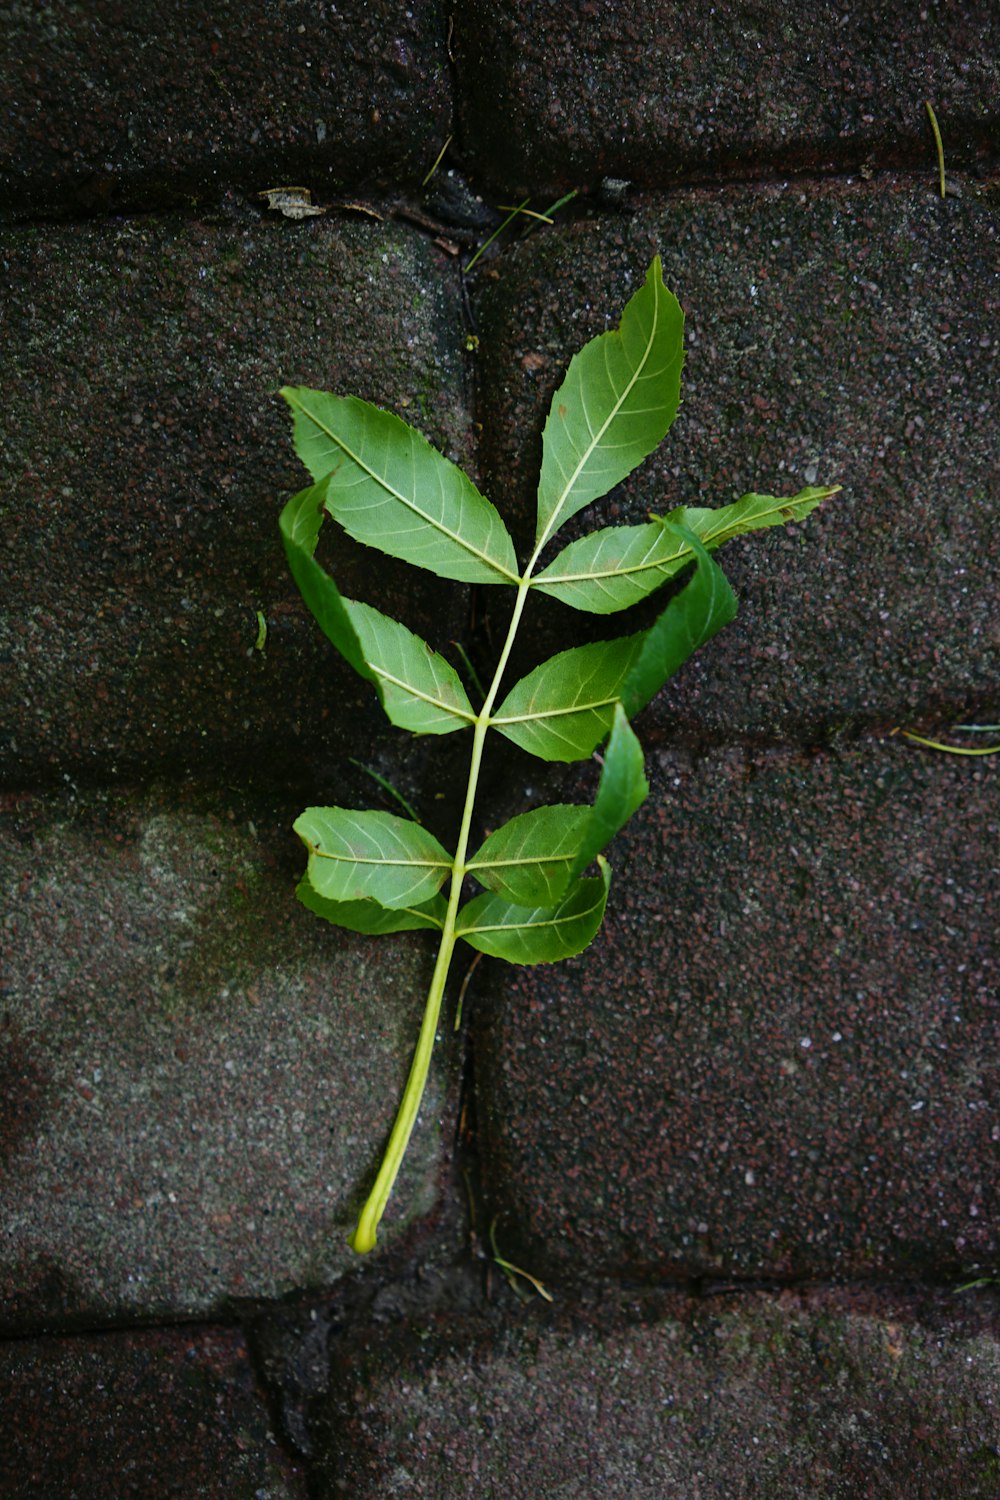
column 749, row 513
column 617, row 401
column 703, row 606
column 300, row 523
column 371, row 856
column 528, row 860
column 617, row 566
column 613, row 568
column 390, row 489
column 368, row 916
column 622, row 789
column 564, row 708
column 536, row 935
column 532, row 860
column 419, row 690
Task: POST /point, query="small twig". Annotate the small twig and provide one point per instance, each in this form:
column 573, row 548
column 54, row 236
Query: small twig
column 464, row 986
column 529, row 213
column 948, row 749
column 512, row 211
column 487, row 243
column 937, row 141
column 510, row 1270
column 437, row 161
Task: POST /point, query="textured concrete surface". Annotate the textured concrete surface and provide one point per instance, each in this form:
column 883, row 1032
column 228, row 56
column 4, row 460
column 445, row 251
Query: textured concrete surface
column 199, row 1075
column 553, row 95
column 778, row 1062
column 779, row 1056
column 109, row 107
column 795, row 1398
column 842, row 334
column 151, row 1414
column 143, row 467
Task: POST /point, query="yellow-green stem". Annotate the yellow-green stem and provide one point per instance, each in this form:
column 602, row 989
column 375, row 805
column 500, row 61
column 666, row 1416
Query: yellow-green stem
column 364, row 1237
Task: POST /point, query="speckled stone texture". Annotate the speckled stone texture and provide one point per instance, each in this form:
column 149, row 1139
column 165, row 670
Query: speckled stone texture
column 110, row 107
column 552, row 95
column 141, row 1416
column 842, row 334
column 779, row 1057
column 142, row 470
column 198, row 1075
column 795, row 1398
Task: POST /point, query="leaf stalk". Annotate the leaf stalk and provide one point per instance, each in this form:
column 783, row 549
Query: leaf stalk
column 364, row 1237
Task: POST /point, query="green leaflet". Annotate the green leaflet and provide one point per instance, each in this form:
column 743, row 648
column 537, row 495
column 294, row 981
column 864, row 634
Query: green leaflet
column 528, row 860
column 622, row 789
column 617, row 401
column 564, row 708
column 537, row 935
column 300, row 523
column 367, row 916
column 703, row 606
column 420, row 691
column 389, row 488
column 617, row 566
column 534, row 857
column 749, row 513
column 371, row 856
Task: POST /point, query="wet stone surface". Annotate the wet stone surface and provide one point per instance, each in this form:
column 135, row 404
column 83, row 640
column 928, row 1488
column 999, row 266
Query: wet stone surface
column 108, row 110
column 834, row 335
column 149, row 620
column 796, row 1398
column 779, row 1056
column 552, row 96
column 198, row 1074
column 150, row 1414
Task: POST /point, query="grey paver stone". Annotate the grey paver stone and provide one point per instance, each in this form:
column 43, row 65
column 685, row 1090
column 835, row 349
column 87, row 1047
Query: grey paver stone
column 796, row 1398
column 199, row 1075
column 552, row 96
column 779, row 1056
column 842, row 334
column 143, row 465
column 150, row 1414
column 107, row 108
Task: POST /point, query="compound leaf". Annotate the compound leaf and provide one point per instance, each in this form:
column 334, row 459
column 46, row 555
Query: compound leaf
column 617, row 401
column 368, row 916
column 617, row 566
column 373, row 856
column 564, row 708
column 528, row 860
column 420, row 691
column 536, row 935
column 300, row 523
column 390, row 489
column 703, row 606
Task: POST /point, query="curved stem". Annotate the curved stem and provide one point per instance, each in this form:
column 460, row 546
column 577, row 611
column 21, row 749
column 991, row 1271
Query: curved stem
column 364, row 1237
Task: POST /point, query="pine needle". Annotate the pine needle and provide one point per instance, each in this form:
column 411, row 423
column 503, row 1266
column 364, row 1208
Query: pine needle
column 937, row 141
